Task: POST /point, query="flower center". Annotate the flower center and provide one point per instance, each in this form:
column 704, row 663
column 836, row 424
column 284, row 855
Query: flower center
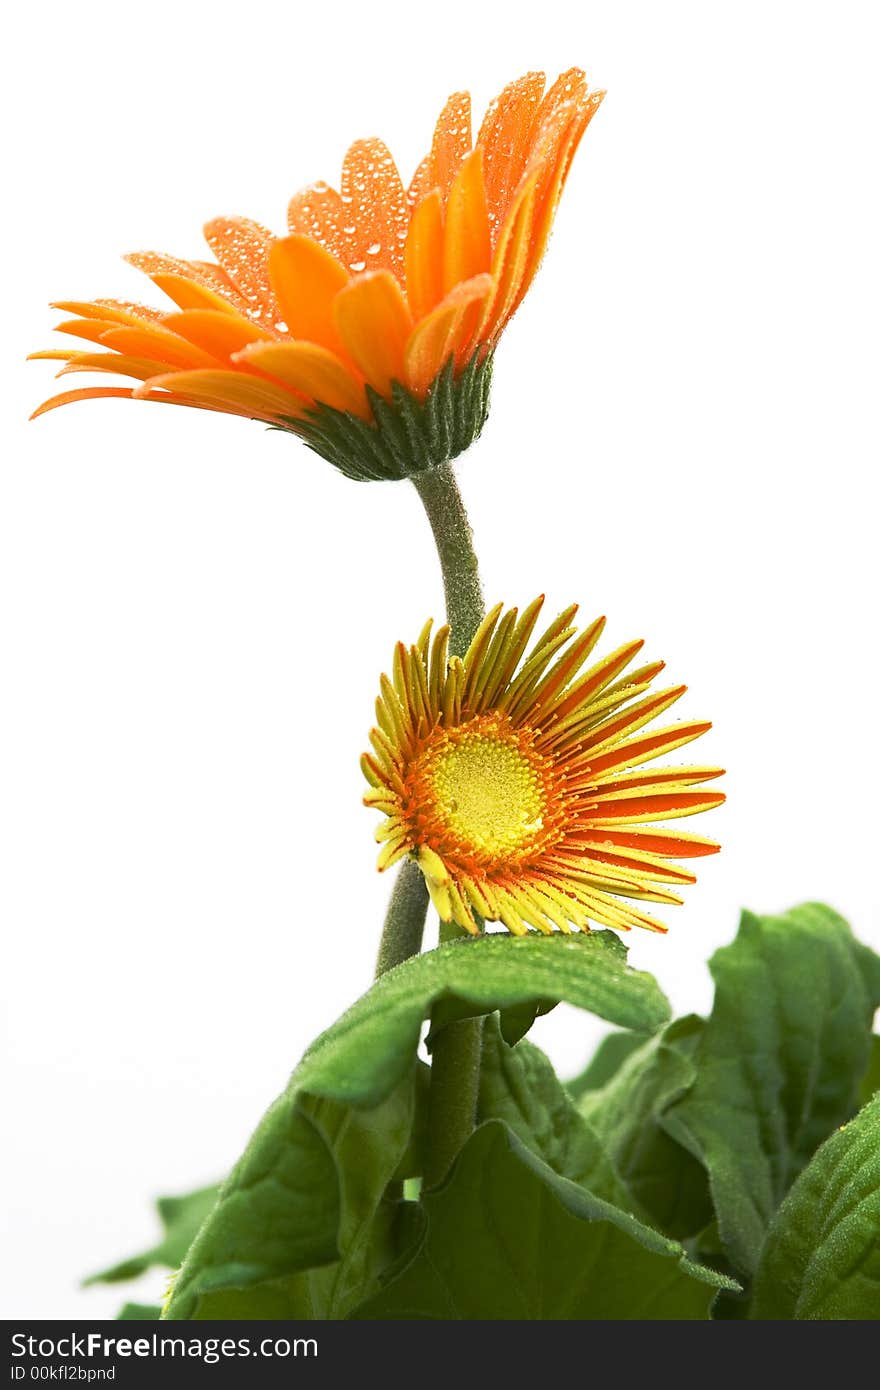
column 479, row 792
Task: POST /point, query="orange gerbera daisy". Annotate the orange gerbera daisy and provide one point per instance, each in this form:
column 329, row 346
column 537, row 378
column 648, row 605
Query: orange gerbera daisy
column 369, row 330
column 509, row 778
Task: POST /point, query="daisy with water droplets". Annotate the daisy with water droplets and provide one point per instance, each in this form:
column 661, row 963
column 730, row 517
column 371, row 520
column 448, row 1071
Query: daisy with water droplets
column 517, row 782
column 369, row 330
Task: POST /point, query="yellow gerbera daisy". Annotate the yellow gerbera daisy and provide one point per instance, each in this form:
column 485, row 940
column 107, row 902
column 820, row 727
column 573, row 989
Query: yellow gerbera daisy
column 369, row 329
column 509, row 777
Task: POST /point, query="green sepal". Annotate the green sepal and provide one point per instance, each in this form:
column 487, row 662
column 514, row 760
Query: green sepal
column 405, row 436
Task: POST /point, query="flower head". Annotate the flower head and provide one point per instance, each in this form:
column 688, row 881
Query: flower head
column 517, row 784
column 369, row 330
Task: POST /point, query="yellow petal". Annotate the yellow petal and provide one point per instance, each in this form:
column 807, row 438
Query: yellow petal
column 432, row 865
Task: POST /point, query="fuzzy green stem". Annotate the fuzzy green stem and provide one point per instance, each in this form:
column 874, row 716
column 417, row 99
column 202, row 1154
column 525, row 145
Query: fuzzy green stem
column 455, row 1055
column 404, row 920
column 455, row 546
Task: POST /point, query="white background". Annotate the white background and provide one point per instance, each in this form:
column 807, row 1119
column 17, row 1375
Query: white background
column 195, row 611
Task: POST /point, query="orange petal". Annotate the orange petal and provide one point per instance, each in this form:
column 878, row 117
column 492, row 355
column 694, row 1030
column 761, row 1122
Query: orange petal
column 438, row 336
column 569, row 86
column 506, row 140
column 141, row 368
column 236, row 391
column 651, row 806
column 318, row 213
column 160, row 344
column 424, row 256
column 450, row 146
column 85, row 393
column 242, row 248
column 110, row 310
column 667, row 844
column 658, row 777
column 190, row 284
column 376, row 207
column 421, row 183
column 306, row 279
column 562, row 144
column 652, row 745
column 375, row 323
column 89, row 393
column 468, row 332
column 219, row 334
column 510, row 260
column 311, row 370
column 637, row 861
column 92, row 330
column 467, row 248
column 630, row 719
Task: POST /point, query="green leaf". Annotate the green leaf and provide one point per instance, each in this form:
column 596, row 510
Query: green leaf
column 139, row 1312
column 310, row 1188
column 519, row 1086
column 666, row 1182
column 518, row 1019
column 822, row 1255
column 506, row 1238
column 500, row 972
column 611, row 1053
column 181, row 1217
column 778, row 1065
column 307, row 1199
column 323, row 1292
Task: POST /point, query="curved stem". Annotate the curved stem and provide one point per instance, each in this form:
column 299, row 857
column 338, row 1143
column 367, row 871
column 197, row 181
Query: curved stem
column 438, row 489
column 465, row 609
column 455, row 1054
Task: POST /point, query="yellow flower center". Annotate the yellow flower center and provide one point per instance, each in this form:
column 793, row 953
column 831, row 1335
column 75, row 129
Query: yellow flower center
column 489, row 793
column 479, row 793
